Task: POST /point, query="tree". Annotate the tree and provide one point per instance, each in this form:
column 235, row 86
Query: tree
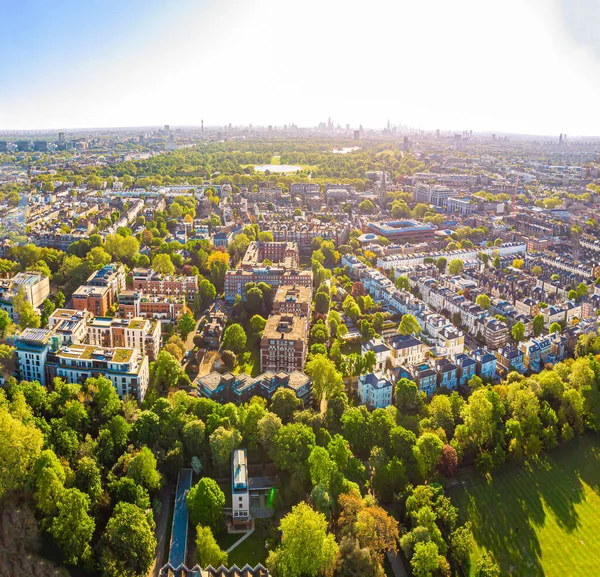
column 166, row 371
column 142, row 469
column 162, row 264
column 409, row 325
column 265, row 236
column 402, row 283
column 284, row 403
column 425, row 559
column 206, row 292
column 485, row 566
column 73, row 528
column 48, row 308
column 186, row 325
column 483, row 301
column 292, row 444
column 555, row 328
column 518, row 331
column 88, row 479
column 59, row 300
column 430, row 448
column 234, row 338
column 366, row 207
column 448, row 461
column 496, row 262
column 356, row 560
column 322, row 303
column 441, row 264
column 128, row 542
column 455, row 266
column 538, row 324
column 205, row 503
column 222, row 442
column 20, row 448
column 209, row 552
column 302, row 530
column 24, row 311
column 258, row 324
column 536, row 270
column 122, row 249
column 326, row 380
column 98, row 256
column 462, row 544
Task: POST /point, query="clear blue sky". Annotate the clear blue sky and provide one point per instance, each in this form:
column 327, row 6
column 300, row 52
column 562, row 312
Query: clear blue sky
column 529, row 66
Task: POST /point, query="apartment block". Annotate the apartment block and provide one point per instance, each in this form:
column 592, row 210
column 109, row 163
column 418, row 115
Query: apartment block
column 295, row 300
column 95, row 299
column 34, row 286
column 230, row 388
column 136, row 304
column 283, row 346
column 149, row 282
column 126, row 368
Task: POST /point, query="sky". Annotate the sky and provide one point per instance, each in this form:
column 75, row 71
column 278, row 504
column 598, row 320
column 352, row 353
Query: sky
column 521, row 66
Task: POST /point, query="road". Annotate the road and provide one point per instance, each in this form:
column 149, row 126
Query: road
column 161, row 531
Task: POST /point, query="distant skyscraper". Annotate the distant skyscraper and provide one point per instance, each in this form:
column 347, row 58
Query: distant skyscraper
column 61, row 137
column 167, row 128
column 357, row 135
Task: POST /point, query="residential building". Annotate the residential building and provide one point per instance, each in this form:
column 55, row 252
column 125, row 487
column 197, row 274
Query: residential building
column 138, row 333
column 495, row 332
column 295, row 300
column 34, row 286
column 467, row 368
column 508, row 359
column 230, row 388
column 447, row 373
column 283, row 346
column 425, row 377
column 375, row 390
column 95, row 299
column 113, row 277
column 126, row 368
column 407, row 350
column 32, row 347
column 151, row 283
column 136, row 304
column 212, row 333
column 486, row 365
column 240, row 498
column 381, row 351
column 70, row 325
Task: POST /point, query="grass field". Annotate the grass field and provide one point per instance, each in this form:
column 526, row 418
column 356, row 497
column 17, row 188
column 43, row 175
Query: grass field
column 276, row 160
column 541, row 521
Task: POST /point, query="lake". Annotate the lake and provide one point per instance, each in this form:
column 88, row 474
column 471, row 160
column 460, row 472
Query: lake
column 277, row 168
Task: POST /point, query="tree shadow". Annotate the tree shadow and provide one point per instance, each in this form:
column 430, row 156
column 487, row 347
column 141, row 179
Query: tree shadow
column 506, row 512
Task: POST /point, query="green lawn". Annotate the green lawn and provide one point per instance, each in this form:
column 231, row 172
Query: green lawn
column 252, row 366
column 542, row 521
column 251, row 551
column 276, row 160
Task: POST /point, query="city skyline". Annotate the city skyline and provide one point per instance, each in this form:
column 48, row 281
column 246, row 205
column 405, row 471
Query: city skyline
column 522, row 69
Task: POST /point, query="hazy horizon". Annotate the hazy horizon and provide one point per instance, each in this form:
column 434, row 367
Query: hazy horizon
column 528, row 68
